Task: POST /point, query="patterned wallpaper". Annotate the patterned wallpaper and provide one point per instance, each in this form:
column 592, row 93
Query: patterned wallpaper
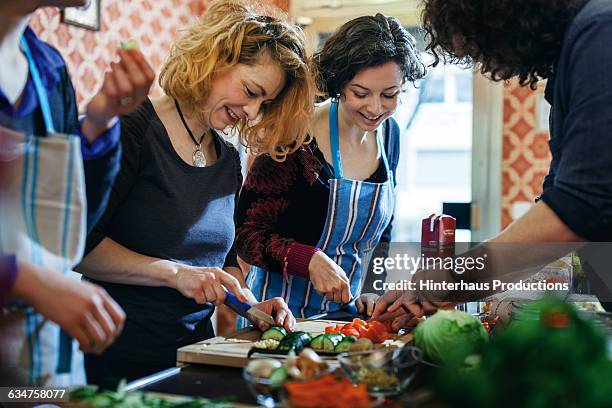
column 525, row 154
column 152, row 22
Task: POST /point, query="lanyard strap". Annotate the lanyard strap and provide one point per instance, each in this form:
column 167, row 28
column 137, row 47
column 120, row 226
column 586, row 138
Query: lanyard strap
column 334, row 141
column 381, row 143
column 40, row 89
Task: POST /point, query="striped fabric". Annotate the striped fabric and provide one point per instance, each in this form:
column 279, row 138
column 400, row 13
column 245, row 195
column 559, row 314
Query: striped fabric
column 42, row 218
column 42, row 213
column 357, row 214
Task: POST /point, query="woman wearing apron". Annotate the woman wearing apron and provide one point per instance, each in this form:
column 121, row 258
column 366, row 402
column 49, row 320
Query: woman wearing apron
column 48, row 155
column 163, row 248
column 308, row 225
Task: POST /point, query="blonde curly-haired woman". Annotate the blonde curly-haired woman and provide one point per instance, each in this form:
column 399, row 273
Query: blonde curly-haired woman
column 163, row 249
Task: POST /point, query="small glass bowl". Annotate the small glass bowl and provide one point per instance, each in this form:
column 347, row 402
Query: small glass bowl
column 265, row 392
column 269, row 394
column 384, row 372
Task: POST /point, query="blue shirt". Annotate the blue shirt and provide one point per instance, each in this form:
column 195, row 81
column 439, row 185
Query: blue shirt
column 101, row 158
column 578, row 187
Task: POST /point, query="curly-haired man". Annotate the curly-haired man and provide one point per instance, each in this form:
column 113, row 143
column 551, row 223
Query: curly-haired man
column 569, row 43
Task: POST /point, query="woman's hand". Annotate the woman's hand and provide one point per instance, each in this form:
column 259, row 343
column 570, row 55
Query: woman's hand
column 204, row 284
column 277, row 308
column 329, row 279
column 125, row 86
column 366, row 302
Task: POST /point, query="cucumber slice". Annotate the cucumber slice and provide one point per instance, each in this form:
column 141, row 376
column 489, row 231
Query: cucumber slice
column 278, row 377
column 345, row 344
column 275, row 333
column 330, row 340
column 295, row 341
column 128, row 45
column 317, row 342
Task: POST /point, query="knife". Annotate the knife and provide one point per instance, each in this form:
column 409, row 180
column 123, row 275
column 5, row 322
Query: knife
column 245, row 310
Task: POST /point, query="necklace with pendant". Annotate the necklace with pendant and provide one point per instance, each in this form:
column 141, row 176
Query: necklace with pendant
column 198, row 158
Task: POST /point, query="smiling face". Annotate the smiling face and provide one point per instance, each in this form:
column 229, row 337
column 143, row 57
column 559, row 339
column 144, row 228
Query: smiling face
column 241, row 91
column 372, row 95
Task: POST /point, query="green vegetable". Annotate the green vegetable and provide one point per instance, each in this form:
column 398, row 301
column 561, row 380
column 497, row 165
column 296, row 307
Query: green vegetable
column 91, row 397
column 549, row 356
column 345, row 344
column 128, row 45
column 275, row 333
column 326, row 342
column 278, row 376
column 449, row 336
column 317, row 342
column 295, row 341
column 330, row 340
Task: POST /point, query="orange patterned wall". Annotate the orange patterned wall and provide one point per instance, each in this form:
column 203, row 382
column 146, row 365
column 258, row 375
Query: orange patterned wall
column 525, row 154
column 152, row 22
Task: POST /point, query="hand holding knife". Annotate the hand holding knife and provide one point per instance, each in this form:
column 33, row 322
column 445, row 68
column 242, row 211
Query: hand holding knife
column 245, row 310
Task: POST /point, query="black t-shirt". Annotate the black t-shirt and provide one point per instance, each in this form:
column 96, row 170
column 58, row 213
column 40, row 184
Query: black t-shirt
column 162, row 207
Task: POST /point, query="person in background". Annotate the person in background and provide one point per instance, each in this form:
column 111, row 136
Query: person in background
column 163, row 248
column 566, row 42
column 308, row 224
column 37, row 98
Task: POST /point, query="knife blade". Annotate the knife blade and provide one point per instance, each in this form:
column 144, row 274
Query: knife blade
column 245, row 310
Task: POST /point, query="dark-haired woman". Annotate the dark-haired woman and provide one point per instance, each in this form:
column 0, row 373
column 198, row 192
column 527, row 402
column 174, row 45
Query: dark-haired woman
column 309, row 225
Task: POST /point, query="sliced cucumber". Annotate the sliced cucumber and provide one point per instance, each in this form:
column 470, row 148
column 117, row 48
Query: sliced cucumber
column 275, row 333
column 317, row 342
column 330, row 340
column 345, row 344
column 295, row 341
column 278, row 377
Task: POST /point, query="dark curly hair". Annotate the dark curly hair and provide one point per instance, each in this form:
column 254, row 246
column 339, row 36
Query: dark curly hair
column 507, row 38
column 361, row 43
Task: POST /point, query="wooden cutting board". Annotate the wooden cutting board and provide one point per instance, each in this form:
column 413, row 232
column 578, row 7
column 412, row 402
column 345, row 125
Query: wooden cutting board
column 232, row 350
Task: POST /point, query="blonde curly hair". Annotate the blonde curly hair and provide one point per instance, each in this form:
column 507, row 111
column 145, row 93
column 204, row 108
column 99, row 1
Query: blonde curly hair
column 229, row 33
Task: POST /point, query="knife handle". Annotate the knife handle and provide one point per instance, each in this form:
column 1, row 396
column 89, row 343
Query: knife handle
column 236, row 305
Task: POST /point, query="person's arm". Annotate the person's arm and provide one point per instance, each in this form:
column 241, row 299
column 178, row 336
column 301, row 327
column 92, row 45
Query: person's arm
column 109, row 261
column 267, row 193
column 100, row 129
column 85, row 311
column 265, row 196
column 125, row 86
column 539, row 224
column 576, row 204
column 531, row 242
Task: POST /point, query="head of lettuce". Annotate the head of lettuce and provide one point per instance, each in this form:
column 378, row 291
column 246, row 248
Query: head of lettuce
column 449, row 336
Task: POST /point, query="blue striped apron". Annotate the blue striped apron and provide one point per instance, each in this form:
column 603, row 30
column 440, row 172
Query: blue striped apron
column 42, row 213
column 358, row 212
